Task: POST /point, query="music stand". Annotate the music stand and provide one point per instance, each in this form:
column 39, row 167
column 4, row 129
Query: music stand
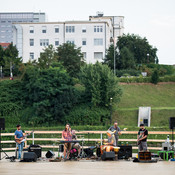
column 2, row 127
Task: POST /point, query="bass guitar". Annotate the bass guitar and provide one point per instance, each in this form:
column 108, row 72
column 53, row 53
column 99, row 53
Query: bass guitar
column 141, row 135
column 22, row 139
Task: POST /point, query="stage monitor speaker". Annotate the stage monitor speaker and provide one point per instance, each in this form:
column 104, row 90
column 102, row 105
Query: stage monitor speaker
column 50, row 154
column 29, row 157
column 36, row 149
column 172, row 122
column 125, row 152
column 108, row 155
column 144, row 156
column 2, row 123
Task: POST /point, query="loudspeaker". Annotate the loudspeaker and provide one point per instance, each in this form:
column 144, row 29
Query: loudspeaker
column 36, row 149
column 108, row 155
column 29, row 157
column 144, row 156
column 172, row 122
column 89, row 151
column 2, row 123
column 50, row 154
column 125, row 152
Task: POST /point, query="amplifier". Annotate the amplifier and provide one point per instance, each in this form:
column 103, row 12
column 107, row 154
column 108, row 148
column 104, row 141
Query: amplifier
column 108, row 155
column 36, row 149
column 125, row 152
column 144, row 156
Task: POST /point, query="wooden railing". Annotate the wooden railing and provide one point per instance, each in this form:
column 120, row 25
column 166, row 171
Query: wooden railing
column 33, row 139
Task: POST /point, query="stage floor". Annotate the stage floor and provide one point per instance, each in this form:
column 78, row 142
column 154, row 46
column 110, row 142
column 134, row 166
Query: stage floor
column 86, row 167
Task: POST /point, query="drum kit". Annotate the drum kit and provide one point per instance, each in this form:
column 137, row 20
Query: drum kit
column 87, row 152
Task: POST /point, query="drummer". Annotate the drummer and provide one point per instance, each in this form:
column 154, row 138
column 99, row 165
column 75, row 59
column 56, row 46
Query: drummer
column 67, row 136
column 109, row 145
column 76, row 145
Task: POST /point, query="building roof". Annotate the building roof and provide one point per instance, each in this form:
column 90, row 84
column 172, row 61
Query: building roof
column 5, row 45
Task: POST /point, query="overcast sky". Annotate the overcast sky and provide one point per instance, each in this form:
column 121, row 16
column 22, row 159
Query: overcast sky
column 153, row 19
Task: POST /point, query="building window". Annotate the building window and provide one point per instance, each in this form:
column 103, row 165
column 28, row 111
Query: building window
column 98, row 55
column 83, row 42
column 31, row 29
column 31, row 42
column 57, row 42
column 56, row 29
column 98, row 28
column 70, row 29
column 70, row 41
column 31, row 55
column 84, row 55
column 43, row 29
column 84, row 30
column 98, row 41
column 44, row 42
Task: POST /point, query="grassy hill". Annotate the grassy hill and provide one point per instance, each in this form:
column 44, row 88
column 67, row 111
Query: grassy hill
column 161, row 99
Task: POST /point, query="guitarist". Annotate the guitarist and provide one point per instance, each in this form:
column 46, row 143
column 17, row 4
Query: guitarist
column 19, row 136
column 142, row 138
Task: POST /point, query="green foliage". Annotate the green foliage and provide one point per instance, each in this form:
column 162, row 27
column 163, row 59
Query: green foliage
column 100, row 84
column 47, row 57
column 50, row 94
column 84, row 114
column 139, row 79
column 131, row 72
column 155, row 77
column 130, row 51
column 71, row 58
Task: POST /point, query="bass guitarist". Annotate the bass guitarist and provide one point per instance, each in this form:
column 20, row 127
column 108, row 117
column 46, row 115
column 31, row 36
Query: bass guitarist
column 19, row 136
column 142, row 138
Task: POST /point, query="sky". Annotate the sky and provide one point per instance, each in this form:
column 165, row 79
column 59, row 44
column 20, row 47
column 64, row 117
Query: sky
column 153, row 19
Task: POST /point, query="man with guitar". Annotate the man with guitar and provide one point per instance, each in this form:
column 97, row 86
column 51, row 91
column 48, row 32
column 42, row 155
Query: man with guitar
column 19, row 139
column 142, row 138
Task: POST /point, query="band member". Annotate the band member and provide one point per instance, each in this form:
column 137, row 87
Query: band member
column 142, row 138
column 76, row 145
column 109, row 146
column 67, row 136
column 117, row 133
column 18, row 138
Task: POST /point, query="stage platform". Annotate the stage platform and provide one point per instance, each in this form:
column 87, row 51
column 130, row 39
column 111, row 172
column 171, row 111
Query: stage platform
column 85, row 167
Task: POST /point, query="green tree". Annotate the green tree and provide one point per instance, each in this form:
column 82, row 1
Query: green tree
column 71, row 58
column 2, row 62
column 47, row 57
column 100, row 84
column 49, row 94
column 155, row 77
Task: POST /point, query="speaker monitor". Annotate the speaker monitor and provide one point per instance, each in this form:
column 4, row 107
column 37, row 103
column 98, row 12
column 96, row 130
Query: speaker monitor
column 172, row 122
column 2, row 123
column 108, row 155
column 36, row 149
column 50, row 154
column 144, row 156
column 29, row 157
column 125, row 152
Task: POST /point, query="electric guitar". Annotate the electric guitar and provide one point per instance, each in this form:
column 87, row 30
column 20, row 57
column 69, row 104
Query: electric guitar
column 141, row 135
column 22, row 139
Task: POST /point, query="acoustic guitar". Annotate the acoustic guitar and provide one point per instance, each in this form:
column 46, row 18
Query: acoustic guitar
column 22, row 139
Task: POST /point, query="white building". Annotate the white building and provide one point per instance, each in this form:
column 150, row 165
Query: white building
column 92, row 36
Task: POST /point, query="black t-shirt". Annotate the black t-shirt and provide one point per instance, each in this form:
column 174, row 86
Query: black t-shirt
column 145, row 132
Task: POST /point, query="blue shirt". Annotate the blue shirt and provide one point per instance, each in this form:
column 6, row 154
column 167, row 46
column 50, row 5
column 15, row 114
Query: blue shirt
column 18, row 134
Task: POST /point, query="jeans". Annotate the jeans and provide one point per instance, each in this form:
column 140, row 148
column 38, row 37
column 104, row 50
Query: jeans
column 143, row 146
column 20, row 148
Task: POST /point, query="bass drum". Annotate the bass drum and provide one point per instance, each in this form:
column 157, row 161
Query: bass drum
column 73, row 153
column 98, row 152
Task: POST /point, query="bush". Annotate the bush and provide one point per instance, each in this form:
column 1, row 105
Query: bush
column 131, row 72
column 155, row 77
column 86, row 115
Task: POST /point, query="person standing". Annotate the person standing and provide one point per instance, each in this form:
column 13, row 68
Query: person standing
column 142, row 138
column 19, row 136
column 117, row 130
column 67, row 136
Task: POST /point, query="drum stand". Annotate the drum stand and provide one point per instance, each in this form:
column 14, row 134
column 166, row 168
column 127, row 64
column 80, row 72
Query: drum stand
column 83, row 154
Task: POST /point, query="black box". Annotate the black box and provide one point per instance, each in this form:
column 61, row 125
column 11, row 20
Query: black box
column 29, row 157
column 108, row 155
column 125, row 152
column 36, row 149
